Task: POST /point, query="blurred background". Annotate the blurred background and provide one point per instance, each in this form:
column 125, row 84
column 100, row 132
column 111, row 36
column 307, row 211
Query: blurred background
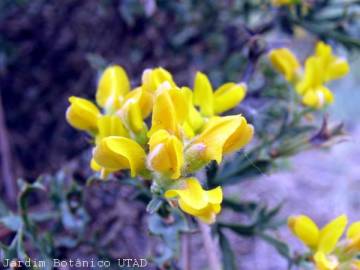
column 50, row 50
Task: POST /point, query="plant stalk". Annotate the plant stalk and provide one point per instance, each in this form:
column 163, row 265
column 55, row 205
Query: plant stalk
column 210, row 247
column 186, row 251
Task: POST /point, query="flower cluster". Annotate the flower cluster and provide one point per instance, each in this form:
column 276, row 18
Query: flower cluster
column 310, row 81
column 328, row 251
column 185, row 132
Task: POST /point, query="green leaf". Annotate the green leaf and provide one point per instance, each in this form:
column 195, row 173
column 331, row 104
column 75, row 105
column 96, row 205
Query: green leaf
column 245, row 230
column 280, row 246
column 25, row 190
column 241, row 207
column 10, row 252
column 253, row 169
column 228, row 256
column 154, row 205
column 169, row 230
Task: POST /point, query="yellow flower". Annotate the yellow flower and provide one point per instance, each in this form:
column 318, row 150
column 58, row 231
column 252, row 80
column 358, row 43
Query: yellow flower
column 131, row 114
column 228, row 96
column 153, row 78
column 318, row 97
column 112, row 88
column 225, row 97
column 334, row 67
column 110, row 125
column 353, row 237
column 321, row 242
column 203, row 94
column 311, row 87
column 196, row 201
column 82, row 114
column 222, row 135
column 143, row 98
column 355, row 265
column 116, row 153
column 194, row 121
column 285, row 62
column 166, row 154
column 319, row 69
column 324, row 262
column 104, row 173
column 284, row 2
column 170, row 111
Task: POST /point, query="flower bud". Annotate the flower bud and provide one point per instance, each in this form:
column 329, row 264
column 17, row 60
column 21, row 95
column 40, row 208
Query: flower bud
column 144, row 98
column 116, row 153
column 333, row 66
column 166, row 154
column 112, row 88
column 305, row 229
column 153, row 78
column 82, row 114
column 353, row 237
column 285, row 62
column 195, row 158
column 228, row 96
column 203, row 94
column 170, row 111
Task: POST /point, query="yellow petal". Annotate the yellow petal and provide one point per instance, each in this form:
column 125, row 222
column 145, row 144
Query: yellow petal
column 318, row 97
column 192, row 195
column 355, row 264
column 353, row 231
column 215, row 196
column 353, row 237
column 305, row 229
column 170, row 111
column 331, row 233
column 323, row 262
column 144, row 98
column 188, row 130
column 113, row 86
column 117, row 153
column 334, row 67
column 82, row 114
column 313, row 77
column 282, row 2
column 134, row 117
column 198, row 202
column 337, row 69
column 110, row 125
column 203, row 94
column 166, row 154
column 104, row 173
column 312, row 100
column 153, row 78
column 241, row 137
column 207, row 217
column 228, row 96
column 94, row 166
column 194, row 120
column 323, row 50
column 285, row 62
column 224, row 135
